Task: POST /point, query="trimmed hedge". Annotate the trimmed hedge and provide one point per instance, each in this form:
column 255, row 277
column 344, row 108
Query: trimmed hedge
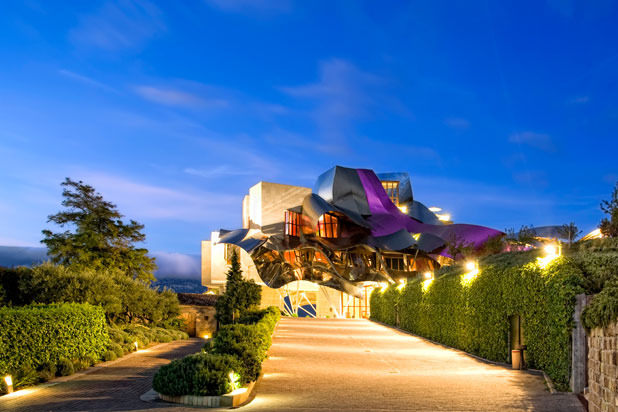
column 473, row 314
column 200, row 374
column 35, row 337
column 240, row 348
column 598, row 259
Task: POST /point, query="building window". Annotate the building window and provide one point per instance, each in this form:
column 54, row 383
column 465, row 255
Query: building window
column 292, row 223
column 392, row 190
column 394, row 262
column 328, row 226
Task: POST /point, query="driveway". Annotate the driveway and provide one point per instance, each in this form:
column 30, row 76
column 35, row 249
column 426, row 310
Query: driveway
column 358, row 365
column 320, row 365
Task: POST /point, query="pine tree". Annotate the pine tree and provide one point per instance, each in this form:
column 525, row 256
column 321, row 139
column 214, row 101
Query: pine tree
column 100, row 239
column 239, row 295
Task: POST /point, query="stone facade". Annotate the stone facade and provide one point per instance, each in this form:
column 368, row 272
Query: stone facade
column 603, row 369
column 198, row 311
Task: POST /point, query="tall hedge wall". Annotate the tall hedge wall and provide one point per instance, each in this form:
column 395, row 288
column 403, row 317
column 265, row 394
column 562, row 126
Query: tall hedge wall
column 473, row 315
column 31, row 336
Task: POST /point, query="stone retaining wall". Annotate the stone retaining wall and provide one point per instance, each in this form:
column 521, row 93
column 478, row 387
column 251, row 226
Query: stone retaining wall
column 603, row 369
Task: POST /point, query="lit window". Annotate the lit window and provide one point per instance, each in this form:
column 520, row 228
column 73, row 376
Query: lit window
column 392, row 190
column 394, row 263
column 328, row 226
column 292, row 223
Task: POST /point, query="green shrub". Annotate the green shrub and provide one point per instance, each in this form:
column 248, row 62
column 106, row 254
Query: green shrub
column 109, row 355
column 65, row 367
column 47, row 371
column 122, row 298
column 473, row 315
column 200, row 374
column 33, row 336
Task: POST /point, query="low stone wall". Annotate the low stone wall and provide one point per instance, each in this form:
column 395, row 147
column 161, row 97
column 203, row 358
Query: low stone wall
column 603, row 369
column 199, row 320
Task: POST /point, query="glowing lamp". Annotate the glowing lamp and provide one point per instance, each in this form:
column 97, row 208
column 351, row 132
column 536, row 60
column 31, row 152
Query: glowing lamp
column 234, row 380
column 206, row 336
column 445, row 217
column 428, row 275
column 384, row 286
column 402, row 283
column 551, row 253
column 404, row 209
column 8, row 379
column 471, row 265
column 136, row 345
column 435, row 209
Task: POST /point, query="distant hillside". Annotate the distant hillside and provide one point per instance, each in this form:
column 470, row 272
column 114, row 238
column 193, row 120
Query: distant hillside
column 171, row 265
column 180, row 285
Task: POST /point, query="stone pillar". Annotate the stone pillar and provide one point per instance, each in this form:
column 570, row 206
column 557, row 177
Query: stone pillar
column 579, row 355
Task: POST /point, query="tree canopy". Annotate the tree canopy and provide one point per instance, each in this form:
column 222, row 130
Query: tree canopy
column 609, row 225
column 99, row 239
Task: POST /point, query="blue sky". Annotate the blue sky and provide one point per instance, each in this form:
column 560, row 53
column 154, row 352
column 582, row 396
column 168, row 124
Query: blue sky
column 503, row 113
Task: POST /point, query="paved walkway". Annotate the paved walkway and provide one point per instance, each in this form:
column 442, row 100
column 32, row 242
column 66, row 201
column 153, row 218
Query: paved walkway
column 358, row 365
column 114, row 387
column 322, row 365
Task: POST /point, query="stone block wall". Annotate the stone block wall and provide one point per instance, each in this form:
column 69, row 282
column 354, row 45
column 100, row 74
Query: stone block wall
column 603, row 369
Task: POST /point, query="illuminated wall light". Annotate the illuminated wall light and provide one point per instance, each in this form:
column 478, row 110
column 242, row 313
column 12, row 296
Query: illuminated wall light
column 8, row 380
column 472, row 265
column 551, row 253
column 472, row 268
column 234, row 380
column 206, row 336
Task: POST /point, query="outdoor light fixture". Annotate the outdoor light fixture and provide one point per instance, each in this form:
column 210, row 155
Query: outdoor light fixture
column 551, row 253
column 402, row 283
column 445, row 217
column 404, row 209
column 472, row 268
column 435, row 209
column 471, row 265
column 384, row 286
column 206, row 336
column 136, row 345
column 234, row 380
column 428, row 275
column 9, row 383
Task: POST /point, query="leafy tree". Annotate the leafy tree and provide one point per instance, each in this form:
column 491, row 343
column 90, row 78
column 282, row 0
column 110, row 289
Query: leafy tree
column 100, row 239
column 457, row 246
column 526, row 235
column 240, row 295
column 609, row 226
column 569, row 232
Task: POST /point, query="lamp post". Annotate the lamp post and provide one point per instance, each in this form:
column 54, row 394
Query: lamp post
column 8, row 380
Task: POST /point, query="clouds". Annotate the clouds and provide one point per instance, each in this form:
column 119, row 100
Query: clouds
column 177, row 265
column 86, row 80
column 218, row 171
column 174, row 97
column 539, row 141
column 252, row 6
column 119, row 25
column 145, row 201
column 342, row 93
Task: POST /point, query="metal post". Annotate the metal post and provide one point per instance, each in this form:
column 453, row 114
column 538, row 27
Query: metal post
column 579, row 349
